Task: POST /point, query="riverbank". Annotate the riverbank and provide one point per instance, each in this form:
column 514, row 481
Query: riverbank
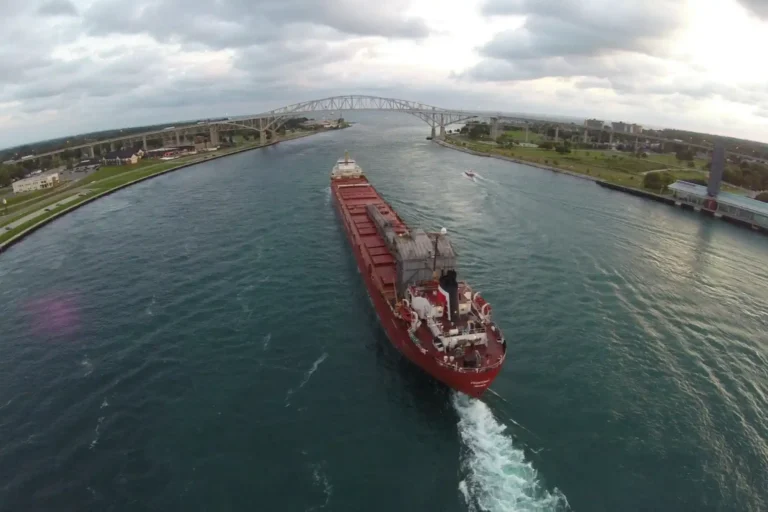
column 516, row 160
column 19, row 233
column 634, row 191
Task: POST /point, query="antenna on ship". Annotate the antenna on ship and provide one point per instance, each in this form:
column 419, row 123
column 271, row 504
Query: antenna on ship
column 346, row 156
column 443, row 232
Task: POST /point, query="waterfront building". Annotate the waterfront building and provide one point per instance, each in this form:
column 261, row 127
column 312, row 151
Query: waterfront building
column 33, row 183
column 123, row 157
column 710, row 199
column 731, row 206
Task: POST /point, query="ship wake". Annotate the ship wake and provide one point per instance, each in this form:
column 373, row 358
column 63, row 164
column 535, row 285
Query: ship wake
column 496, row 476
column 307, row 376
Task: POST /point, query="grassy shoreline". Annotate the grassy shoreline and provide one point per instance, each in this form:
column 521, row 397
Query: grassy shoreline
column 593, row 164
column 106, row 186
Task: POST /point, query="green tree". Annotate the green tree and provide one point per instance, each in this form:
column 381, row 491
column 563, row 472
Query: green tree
column 657, row 181
column 478, row 130
column 762, row 196
column 734, row 176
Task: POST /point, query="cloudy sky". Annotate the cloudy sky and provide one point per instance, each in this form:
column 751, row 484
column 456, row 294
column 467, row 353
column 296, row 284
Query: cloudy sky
column 69, row 66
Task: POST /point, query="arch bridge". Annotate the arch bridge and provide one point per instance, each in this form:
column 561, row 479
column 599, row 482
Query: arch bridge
column 271, row 121
column 437, row 118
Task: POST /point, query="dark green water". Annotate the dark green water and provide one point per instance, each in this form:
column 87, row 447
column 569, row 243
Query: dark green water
column 203, row 341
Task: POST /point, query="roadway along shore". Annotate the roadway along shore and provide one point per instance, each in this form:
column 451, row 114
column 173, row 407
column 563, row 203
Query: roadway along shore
column 55, row 213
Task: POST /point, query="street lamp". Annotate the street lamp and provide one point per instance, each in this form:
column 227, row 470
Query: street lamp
column 5, row 207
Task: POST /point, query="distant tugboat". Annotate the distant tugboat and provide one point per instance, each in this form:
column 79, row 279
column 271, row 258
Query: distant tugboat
column 437, row 322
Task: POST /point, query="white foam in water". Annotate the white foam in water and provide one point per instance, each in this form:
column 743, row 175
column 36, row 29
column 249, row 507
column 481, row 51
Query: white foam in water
column 497, row 478
column 307, row 376
column 321, row 480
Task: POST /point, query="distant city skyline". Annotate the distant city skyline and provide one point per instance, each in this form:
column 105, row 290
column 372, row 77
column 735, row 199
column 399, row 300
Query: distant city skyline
column 92, row 65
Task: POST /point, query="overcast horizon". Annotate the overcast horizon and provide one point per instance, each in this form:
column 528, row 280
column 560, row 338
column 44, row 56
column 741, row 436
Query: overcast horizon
column 91, row 65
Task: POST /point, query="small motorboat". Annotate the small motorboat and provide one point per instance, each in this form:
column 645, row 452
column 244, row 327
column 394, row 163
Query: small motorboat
column 469, row 173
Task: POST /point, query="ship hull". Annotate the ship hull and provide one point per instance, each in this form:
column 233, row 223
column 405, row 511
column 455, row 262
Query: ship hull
column 470, row 383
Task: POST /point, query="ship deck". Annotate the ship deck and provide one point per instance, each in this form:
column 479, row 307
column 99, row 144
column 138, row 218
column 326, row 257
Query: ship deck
column 354, row 195
column 469, row 323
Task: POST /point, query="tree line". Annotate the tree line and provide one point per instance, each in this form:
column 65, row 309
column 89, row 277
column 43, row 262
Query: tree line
column 10, row 172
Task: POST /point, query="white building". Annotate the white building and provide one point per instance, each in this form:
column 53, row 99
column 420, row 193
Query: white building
column 36, row 183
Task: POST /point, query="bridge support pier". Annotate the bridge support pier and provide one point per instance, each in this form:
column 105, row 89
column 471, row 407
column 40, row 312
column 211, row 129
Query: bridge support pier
column 144, row 143
column 494, row 128
column 526, row 132
column 213, row 135
column 586, row 136
column 262, row 132
column 610, row 137
column 434, row 131
column 557, row 133
column 442, row 131
column 178, row 139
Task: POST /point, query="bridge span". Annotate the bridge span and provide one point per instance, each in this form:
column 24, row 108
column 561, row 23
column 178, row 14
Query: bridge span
column 436, row 117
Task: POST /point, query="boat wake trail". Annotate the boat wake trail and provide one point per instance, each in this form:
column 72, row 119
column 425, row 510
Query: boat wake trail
column 497, row 478
column 307, row 376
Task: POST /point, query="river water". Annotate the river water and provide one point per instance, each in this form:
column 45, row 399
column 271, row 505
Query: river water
column 203, row 341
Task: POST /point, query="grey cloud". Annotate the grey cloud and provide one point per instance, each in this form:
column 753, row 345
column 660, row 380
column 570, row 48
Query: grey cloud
column 606, row 45
column 618, row 66
column 756, row 7
column 592, row 83
column 57, row 8
column 582, row 27
column 14, row 66
column 241, row 23
column 294, row 58
column 572, row 38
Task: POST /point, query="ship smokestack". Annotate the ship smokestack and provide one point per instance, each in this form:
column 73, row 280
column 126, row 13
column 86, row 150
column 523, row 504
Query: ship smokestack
column 450, row 288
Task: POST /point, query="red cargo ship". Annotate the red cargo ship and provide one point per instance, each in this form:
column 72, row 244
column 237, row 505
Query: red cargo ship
column 435, row 321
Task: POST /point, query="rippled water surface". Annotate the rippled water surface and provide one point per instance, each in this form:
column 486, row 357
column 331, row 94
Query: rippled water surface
column 203, row 341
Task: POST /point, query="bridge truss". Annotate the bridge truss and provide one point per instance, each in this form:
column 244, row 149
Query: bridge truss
column 433, row 116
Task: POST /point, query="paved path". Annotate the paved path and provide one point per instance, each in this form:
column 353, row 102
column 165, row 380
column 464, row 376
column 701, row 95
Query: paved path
column 669, row 169
column 44, row 210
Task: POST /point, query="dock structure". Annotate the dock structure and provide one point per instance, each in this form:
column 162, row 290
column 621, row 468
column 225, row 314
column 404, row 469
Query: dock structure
column 711, row 200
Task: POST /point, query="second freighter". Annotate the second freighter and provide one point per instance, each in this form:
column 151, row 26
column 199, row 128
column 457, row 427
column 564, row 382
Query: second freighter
column 436, row 321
